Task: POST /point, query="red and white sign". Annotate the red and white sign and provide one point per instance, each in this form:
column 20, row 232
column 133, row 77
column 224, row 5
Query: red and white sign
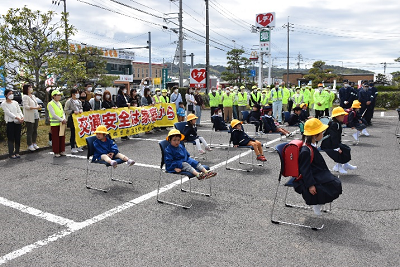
column 198, row 78
column 265, row 20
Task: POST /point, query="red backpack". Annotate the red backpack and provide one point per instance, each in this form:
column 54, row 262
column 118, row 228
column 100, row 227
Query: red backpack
column 290, row 155
column 346, row 117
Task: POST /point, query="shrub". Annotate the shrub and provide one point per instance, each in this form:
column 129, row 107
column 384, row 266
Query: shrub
column 388, row 100
column 391, row 88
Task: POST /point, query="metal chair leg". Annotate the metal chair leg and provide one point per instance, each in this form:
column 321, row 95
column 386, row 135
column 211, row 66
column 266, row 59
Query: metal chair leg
column 87, row 182
column 197, row 192
column 119, row 180
column 237, row 169
column 159, row 200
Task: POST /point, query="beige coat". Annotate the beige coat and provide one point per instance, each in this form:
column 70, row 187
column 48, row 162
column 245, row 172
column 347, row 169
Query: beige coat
column 27, row 102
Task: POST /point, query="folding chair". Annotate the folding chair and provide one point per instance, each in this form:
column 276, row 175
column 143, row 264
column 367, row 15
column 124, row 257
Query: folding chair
column 163, row 145
column 90, row 146
column 397, row 132
column 220, row 145
column 288, row 184
column 240, row 155
column 325, row 120
column 245, row 114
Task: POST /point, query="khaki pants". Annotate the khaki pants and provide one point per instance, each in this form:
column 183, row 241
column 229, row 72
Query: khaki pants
column 228, row 114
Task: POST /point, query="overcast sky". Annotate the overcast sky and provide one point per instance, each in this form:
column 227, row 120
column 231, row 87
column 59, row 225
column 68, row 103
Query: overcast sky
column 352, row 33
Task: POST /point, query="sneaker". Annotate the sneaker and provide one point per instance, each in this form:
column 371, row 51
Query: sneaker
column 114, row 163
column 130, row 162
column 35, row 146
column 202, row 176
column 31, row 148
column 57, row 155
column 348, row 166
column 62, row 153
column 79, row 149
column 355, row 136
column 208, row 148
column 261, row 158
column 341, row 170
column 335, row 168
column 201, row 152
column 210, row 174
column 317, row 209
column 74, row 150
column 364, row 132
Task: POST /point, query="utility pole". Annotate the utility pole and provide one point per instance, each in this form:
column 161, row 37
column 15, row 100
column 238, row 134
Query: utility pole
column 180, row 45
column 54, row 2
column 299, row 58
column 149, row 44
column 384, row 67
column 288, row 25
column 191, row 60
column 207, row 48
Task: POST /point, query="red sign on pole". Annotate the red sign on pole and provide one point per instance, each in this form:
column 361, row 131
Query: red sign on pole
column 265, row 20
column 198, row 78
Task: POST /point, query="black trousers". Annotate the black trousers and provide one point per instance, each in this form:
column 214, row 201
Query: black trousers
column 14, row 138
column 319, row 113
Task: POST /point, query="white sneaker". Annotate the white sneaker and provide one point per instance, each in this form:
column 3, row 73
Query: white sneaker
column 341, row 170
column 35, row 146
column 336, row 167
column 114, row 163
column 31, row 148
column 317, row 209
column 348, row 166
column 355, row 136
column 364, row 132
column 74, row 150
column 130, row 162
column 79, row 149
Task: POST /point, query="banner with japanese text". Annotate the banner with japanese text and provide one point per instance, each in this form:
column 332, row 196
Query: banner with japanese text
column 124, row 121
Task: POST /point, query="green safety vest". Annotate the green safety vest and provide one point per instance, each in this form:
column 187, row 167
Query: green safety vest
column 256, row 98
column 286, row 95
column 59, row 112
column 298, row 99
column 228, row 100
column 264, row 99
column 306, row 95
column 157, row 99
column 276, row 95
column 320, row 98
column 214, row 100
column 242, row 99
column 164, row 99
column 235, row 99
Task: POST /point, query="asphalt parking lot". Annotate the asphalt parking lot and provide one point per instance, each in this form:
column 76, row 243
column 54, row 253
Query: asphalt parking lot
column 49, row 218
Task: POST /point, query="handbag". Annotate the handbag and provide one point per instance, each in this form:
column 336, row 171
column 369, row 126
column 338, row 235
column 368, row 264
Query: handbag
column 190, row 107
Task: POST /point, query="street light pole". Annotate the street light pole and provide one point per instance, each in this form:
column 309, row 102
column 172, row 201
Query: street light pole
column 149, row 43
column 207, row 48
column 180, row 45
column 54, row 2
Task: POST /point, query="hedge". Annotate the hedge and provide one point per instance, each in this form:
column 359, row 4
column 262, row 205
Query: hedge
column 388, row 100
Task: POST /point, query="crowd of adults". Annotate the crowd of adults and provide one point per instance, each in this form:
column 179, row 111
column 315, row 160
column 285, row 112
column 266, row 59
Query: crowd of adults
column 232, row 101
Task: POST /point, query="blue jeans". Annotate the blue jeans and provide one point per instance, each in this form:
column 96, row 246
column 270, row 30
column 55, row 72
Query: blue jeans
column 197, row 110
column 277, row 110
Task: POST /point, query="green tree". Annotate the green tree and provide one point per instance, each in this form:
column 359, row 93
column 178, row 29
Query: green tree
column 238, row 67
column 319, row 74
column 396, row 74
column 28, row 40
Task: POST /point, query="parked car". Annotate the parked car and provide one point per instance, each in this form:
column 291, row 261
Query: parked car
column 42, row 110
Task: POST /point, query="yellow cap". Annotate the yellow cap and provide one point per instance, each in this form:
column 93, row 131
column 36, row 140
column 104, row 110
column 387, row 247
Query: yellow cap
column 55, row 92
column 356, row 104
column 254, row 87
column 338, row 111
column 314, row 126
column 175, row 132
column 235, row 122
column 242, row 87
column 101, row 129
column 164, row 91
column 191, row 117
column 302, row 105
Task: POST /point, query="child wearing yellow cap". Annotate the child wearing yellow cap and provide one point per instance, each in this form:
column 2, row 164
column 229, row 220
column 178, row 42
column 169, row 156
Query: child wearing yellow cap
column 317, row 185
column 177, row 159
column 190, row 134
column 333, row 146
column 105, row 148
column 356, row 120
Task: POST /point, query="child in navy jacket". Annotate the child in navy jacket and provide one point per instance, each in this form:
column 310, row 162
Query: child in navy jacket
column 190, row 134
column 269, row 124
column 240, row 138
column 317, row 185
column 105, row 148
column 218, row 121
column 356, row 120
column 177, row 159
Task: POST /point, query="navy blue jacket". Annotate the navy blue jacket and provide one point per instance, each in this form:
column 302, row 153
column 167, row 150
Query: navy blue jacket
column 122, row 101
column 240, row 138
column 269, row 124
column 294, row 120
column 303, row 115
column 190, row 132
column 346, row 94
column 218, row 123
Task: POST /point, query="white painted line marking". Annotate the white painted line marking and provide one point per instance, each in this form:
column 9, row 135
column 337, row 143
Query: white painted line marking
column 382, row 113
column 75, row 226
column 35, row 212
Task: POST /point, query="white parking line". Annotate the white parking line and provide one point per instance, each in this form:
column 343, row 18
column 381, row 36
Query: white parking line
column 75, row 226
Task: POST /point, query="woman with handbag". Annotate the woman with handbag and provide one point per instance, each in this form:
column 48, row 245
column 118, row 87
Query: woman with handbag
column 31, row 116
column 73, row 106
column 14, row 118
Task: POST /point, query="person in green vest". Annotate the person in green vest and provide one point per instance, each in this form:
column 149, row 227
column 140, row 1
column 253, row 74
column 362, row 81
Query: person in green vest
column 276, row 97
column 157, row 96
column 227, row 102
column 213, row 98
column 164, row 96
column 330, row 98
column 57, row 121
column 306, row 96
column 320, row 99
column 221, row 93
column 255, row 96
column 269, row 101
column 297, row 98
column 235, row 102
column 264, row 98
column 242, row 99
column 285, row 98
column 311, row 104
